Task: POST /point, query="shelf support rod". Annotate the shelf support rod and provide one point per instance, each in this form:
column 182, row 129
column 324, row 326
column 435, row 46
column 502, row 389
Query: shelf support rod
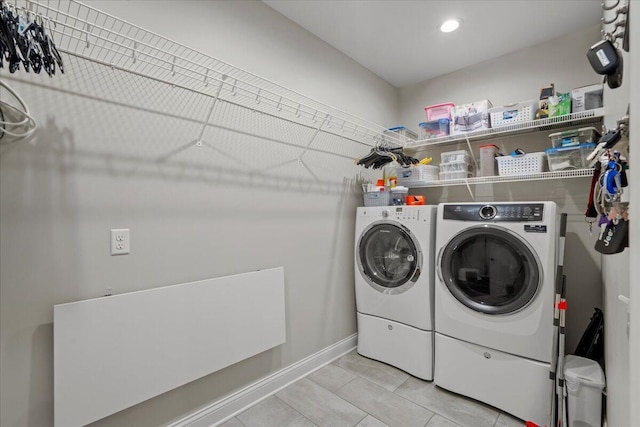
column 88, row 30
column 473, row 157
column 210, row 112
column 233, row 88
column 313, row 137
column 308, row 170
column 473, row 197
column 198, row 141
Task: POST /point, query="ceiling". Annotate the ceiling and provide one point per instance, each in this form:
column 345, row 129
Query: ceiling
column 399, row 40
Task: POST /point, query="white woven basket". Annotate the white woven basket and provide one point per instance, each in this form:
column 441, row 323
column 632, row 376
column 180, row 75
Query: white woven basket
column 521, row 165
column 515, row 113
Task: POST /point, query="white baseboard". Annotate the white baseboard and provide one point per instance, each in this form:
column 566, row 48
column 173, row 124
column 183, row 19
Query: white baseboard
column 223, row 409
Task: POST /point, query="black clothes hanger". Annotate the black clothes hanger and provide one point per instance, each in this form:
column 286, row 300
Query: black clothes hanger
column 25, row 42
column 380, row 156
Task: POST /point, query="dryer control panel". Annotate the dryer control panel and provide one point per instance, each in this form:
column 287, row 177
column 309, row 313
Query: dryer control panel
column 516, row 212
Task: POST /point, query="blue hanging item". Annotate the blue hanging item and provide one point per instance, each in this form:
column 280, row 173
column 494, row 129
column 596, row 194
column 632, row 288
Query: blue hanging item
column 610, row 177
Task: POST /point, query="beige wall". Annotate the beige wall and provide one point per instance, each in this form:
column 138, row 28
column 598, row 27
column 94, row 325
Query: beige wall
column 92, row 167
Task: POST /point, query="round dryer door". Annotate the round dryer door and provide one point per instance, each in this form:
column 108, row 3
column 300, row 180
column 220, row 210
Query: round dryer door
column 389, row 257
column 490, row 269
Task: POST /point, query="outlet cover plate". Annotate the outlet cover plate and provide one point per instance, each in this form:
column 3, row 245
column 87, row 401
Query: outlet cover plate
column 120, row 241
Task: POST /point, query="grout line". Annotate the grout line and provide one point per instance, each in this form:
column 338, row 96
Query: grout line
column 294, row 409
column 366, row 414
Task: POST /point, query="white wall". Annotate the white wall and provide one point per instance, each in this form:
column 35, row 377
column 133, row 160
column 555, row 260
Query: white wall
column 616, row 273
column 92, row 167
column 634, row 238
column 506, row 80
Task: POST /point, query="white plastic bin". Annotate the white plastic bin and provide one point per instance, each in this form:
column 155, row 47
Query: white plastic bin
column 584, row 380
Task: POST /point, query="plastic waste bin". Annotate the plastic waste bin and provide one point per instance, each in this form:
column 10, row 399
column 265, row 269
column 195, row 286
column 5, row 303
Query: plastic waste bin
column 584, row 380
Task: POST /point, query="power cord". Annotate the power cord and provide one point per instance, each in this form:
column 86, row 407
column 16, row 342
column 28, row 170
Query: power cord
column 12, row 128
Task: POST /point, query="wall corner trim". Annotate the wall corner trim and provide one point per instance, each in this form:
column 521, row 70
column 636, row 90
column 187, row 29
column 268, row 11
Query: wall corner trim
column 227, row 407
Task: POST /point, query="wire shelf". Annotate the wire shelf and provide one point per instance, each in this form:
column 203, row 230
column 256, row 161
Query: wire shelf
column 573, row 173
column 88, row 33
column 582, row 117
column 297, row 123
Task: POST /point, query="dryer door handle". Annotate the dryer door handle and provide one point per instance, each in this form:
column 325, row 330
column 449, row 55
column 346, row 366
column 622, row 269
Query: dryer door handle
column 438, row 263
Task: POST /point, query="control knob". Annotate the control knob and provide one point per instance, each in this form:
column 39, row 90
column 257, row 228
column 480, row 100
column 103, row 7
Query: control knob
column 488, row 212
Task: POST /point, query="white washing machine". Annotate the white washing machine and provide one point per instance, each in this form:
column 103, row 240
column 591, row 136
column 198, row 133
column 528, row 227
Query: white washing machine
column 394, row 271
column 494, row 294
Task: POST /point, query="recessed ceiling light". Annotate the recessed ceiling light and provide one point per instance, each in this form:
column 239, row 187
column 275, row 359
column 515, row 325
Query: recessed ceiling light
column 450, row 25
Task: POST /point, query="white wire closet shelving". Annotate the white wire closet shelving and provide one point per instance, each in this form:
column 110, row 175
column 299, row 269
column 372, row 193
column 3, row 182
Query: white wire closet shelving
column 573, row 119
column 573, row 173
column 225, row 96
column 90, row 34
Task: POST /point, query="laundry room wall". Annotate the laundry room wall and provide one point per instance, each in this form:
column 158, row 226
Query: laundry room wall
column 616, row 268
column 634, row 238
column 93, row 166
column 506, row 80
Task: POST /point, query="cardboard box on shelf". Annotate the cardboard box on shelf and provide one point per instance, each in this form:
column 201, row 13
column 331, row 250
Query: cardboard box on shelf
column 543, row 104
column 586, row 98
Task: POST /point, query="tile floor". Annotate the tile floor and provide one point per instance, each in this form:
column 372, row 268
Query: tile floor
column 356, row 391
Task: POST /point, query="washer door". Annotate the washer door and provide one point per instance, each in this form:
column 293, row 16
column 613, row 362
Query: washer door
column 389, row 257
column 490, row 269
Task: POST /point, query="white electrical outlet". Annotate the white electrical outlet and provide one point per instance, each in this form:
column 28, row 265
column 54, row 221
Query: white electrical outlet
column 120, row 241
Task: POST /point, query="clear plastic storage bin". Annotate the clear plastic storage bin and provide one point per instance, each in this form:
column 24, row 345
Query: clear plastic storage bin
column 439, row 111
column 398, row 195
column 574, row 137
column 454, row 156
column 515, row 113
column 434, row 128
column 416, row 175
column 571, row 157
column 455, row 170
column 401, row 134
column 521, row 165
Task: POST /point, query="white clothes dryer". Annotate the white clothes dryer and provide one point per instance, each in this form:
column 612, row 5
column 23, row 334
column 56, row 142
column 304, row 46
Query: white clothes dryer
column 394, row 272
column 494, row 295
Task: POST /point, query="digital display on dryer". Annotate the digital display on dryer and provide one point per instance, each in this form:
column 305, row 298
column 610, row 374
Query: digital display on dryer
column 511, row 212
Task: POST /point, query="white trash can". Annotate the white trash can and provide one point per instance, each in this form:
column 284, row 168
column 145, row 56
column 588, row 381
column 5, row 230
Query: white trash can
column 584, row 381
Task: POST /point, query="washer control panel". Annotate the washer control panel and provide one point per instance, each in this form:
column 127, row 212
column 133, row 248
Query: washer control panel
column 401, row 213
column 497, row 212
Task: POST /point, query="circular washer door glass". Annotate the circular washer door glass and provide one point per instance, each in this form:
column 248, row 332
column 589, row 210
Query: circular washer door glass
column 491, row 270
column 389, row 257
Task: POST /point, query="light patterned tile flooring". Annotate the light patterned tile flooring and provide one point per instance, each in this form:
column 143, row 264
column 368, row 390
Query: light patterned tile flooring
column 354, row 391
